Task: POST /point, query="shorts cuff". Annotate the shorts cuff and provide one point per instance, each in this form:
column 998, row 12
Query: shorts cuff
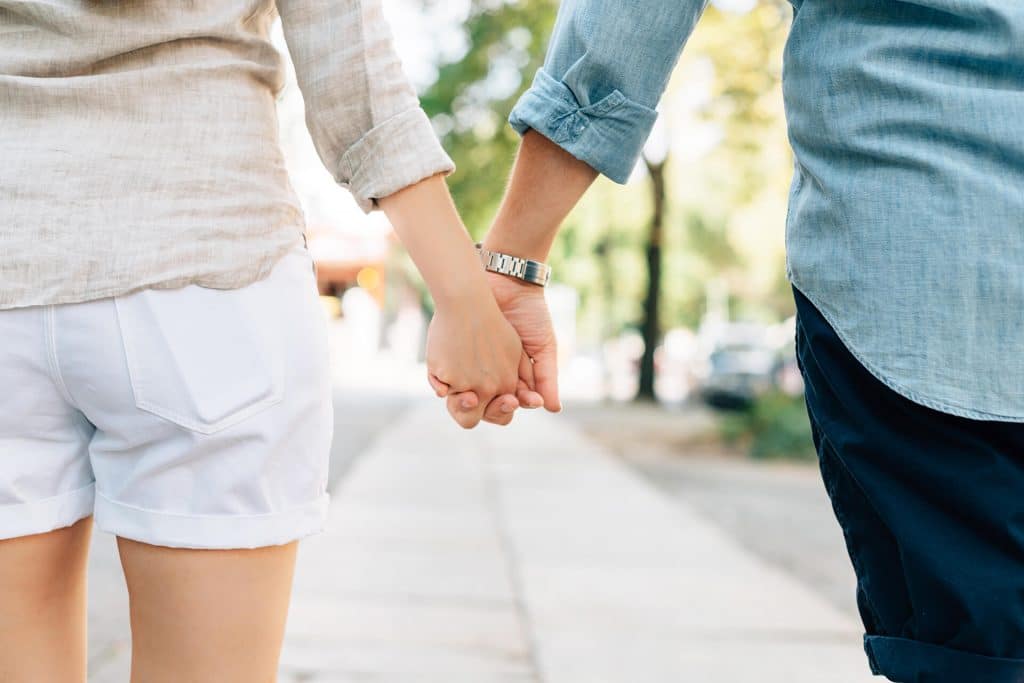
column 900, row 659
column 210, row 532
column 42, row 516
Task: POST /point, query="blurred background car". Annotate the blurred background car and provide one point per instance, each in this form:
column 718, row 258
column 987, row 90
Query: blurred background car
column 748, row 361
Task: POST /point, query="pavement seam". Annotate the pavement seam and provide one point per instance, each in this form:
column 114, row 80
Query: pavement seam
column 492, row 489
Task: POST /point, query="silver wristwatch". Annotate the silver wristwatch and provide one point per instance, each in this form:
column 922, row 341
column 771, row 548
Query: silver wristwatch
column 534, row 272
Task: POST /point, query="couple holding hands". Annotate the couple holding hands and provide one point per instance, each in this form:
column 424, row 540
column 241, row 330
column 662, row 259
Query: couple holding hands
column 163, row 353
column 491, row 348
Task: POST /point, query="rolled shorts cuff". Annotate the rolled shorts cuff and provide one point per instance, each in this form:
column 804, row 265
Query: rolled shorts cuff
column 210, row 532
column 42, row 516
column 911, row 661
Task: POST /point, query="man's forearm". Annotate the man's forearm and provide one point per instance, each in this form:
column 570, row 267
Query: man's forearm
column 546, row 184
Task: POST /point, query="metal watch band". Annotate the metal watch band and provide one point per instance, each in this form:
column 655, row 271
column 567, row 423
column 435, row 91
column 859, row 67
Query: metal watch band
column 534, row 272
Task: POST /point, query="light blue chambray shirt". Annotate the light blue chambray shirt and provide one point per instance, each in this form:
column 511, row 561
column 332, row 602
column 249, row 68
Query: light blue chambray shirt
column 906, row 221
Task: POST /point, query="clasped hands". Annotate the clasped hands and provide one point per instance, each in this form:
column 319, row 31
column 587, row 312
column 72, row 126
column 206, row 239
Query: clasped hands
column 490, row 353
column 491, row 346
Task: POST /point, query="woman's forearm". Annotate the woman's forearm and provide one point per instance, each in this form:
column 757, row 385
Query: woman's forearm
column 427, row 223
column 474, row 355
column 546, row 184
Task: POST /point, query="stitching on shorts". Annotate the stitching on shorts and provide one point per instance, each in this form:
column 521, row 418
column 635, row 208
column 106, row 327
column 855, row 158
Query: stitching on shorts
column 50, row 499
column 185, row 515
column 51, row 354
column 53, row 363
column 830, row 478
column 178, row 419
column 198, row 427
column 832, row 486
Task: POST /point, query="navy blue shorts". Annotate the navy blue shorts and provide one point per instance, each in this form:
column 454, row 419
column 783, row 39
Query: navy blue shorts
column 932, row 508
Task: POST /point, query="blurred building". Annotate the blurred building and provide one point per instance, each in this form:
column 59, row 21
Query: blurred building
column 349, row 247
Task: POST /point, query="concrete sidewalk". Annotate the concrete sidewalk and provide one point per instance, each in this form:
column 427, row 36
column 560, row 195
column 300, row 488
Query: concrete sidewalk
column 531, row 554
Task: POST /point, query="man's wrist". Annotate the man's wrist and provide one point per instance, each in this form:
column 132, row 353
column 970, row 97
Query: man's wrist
column 507, row 289
column 515, row 243
column 527, row 270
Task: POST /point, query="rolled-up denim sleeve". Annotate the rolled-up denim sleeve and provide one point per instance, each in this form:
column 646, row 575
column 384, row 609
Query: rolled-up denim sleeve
column 607, row 67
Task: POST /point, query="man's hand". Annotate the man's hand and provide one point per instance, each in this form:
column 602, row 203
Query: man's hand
column 546, row 183
column 472, row 349
column 475, row 358
column 525, row 307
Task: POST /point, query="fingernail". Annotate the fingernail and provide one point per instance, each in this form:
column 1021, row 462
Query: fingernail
column 466, row 405
column 507, row 408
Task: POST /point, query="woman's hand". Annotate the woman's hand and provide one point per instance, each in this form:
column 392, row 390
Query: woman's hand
column 526, row 309
column 546, row 183
column 473, row 353
column 474, row 356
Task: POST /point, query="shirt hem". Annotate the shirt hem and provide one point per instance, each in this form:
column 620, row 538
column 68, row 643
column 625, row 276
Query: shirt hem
column 228, row 280
column 910, row 394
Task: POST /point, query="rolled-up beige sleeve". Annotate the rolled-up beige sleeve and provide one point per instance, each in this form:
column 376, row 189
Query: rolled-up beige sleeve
column 361, row 110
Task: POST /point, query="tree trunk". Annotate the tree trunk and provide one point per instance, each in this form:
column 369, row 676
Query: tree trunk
column 651, row 329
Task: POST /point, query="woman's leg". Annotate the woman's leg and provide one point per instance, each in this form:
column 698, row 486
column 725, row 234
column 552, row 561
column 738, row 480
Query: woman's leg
column 198, row 444
column 207, row 615
column 43, row 605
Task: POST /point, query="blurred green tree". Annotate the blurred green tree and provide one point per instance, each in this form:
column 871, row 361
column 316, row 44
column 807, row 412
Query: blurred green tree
column 713, row 216
column 736, row 218
column 743, row 52
column 472, row 97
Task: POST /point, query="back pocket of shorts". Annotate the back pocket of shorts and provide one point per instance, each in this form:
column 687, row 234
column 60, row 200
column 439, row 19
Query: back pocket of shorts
column 203, row 359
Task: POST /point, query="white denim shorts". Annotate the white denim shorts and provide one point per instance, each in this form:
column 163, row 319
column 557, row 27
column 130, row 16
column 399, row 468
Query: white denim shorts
column 192, row 417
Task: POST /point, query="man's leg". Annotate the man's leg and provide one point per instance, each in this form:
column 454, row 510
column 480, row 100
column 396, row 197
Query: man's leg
column 932, row 508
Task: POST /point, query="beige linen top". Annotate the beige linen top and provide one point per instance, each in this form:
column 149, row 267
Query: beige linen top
column 139, row 143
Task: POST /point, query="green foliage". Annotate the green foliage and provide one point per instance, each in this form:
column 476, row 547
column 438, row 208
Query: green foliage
column 745, row 52
column 731, row 201
column 726, row 205
column 473, row 96
column 774, row 426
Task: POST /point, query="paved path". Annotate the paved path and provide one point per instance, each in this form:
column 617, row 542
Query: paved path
column 776, row 509
column 525, row 554
column 531, row 554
